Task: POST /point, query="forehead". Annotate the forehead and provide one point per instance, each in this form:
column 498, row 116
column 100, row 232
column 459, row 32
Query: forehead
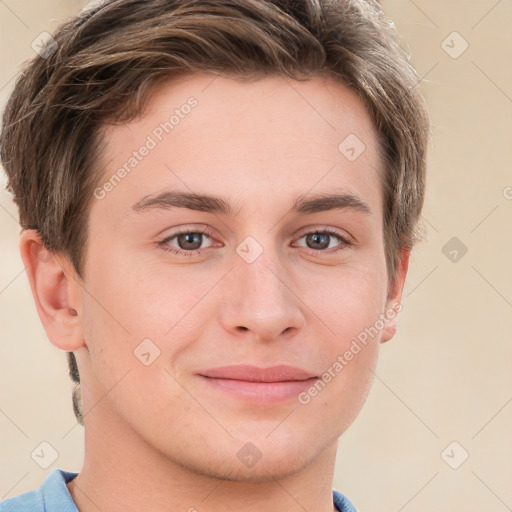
column 211, row 134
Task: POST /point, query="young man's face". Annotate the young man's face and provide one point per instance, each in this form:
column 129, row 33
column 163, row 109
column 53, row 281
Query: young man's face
column 264, row 291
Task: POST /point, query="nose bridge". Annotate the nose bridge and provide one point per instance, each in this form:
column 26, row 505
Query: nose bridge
column 261, row 280
column 259, row 294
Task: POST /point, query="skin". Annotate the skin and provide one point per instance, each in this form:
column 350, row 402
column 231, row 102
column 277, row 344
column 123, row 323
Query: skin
column 156, row 437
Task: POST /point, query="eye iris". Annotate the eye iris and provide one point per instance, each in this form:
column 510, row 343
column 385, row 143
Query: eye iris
column 189, row 238
column 317, row 238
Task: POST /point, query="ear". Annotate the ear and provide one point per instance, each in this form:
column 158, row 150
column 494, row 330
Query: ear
column 55, row 288
column 394, row 299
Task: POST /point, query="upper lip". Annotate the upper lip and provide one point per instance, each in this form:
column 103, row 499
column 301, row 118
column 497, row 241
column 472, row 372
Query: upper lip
column 279, row 373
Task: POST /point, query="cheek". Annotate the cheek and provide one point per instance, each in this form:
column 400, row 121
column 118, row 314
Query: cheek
column 348, row 302
column 128, row 365
column 350, row 317
column 135, row 317
column 131, row 301
column 348, row 362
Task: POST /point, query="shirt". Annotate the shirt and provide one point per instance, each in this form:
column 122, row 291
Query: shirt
column 53, row 496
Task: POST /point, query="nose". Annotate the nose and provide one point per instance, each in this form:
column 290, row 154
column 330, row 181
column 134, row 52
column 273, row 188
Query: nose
column 259, row 299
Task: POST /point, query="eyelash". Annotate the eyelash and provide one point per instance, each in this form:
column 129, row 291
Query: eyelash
column 180, row 252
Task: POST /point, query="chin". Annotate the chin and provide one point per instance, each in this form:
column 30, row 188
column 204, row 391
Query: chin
column 258, row 462
column 263, row 471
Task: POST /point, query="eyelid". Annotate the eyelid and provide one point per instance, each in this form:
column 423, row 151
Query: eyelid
column 327, row 228
column 189, row 228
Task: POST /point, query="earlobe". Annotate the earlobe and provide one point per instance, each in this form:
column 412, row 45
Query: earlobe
column 55, row 292
column 393, row 303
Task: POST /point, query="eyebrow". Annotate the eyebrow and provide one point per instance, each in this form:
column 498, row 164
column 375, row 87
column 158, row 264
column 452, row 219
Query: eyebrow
column 206, row 203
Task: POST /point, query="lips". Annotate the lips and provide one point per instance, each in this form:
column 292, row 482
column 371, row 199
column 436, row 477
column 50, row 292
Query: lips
column 281, row 373
column 259, row 386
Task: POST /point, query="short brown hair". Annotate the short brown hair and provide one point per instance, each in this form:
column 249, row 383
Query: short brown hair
column 107, row 60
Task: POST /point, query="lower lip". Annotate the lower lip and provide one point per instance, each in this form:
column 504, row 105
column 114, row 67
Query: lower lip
column 263, row 393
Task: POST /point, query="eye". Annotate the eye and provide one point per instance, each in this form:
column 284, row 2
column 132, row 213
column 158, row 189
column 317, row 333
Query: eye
column 188, row 242
column 320, row 241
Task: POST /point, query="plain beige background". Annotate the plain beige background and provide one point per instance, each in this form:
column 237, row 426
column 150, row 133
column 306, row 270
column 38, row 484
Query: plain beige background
column 446, row 376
